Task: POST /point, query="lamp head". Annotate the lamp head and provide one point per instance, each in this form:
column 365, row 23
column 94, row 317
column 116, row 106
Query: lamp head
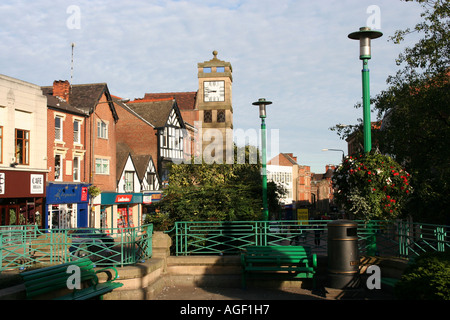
column 262, row 106
column 364, row 35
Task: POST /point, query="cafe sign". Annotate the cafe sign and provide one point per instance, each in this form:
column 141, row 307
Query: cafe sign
column 36, row 183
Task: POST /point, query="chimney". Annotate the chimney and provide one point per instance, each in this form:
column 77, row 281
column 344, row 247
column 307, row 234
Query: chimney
column 61, row 89
column 292, row 156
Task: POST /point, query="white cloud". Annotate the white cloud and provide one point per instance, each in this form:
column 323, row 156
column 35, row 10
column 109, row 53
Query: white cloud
column 294, row 53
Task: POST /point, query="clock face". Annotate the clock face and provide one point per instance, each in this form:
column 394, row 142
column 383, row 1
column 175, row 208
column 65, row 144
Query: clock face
column 214, row 91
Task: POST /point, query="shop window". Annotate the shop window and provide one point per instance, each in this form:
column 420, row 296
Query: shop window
column 62, row 216
column 125, row 217
column 22, row 146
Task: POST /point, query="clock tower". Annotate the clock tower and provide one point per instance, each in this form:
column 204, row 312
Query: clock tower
column 215, row 107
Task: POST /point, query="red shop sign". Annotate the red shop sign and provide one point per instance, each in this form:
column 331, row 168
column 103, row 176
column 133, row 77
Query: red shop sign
column 124, row 198
column 84, row 193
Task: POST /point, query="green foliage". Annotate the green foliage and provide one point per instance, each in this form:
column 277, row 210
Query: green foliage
column 371, row 186
column 427, row 278
column 414, row 112
column 416, row 129
column 213, row 192
column 430, row 56
column 94, row 191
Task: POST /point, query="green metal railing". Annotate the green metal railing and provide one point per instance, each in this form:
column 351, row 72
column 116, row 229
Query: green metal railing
column 27, row 246
column 392, row 238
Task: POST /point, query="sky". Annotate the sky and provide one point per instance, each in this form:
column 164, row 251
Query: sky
column 294, row 53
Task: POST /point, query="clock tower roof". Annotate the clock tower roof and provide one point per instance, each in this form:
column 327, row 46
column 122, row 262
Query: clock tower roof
column 214, row 62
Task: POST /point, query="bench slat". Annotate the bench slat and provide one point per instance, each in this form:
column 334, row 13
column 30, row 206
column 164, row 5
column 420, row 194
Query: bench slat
column 275, row 261
column 53, row 278
column 91, row 292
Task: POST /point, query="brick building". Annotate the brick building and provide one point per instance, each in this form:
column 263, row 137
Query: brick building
column 81, row 150
column 304, row 189
column 283, row 169
column 322, row 190
column 96, row 126
column 156, row 128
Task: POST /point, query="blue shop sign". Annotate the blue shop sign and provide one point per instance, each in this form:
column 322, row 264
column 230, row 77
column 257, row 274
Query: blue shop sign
column 67, row 193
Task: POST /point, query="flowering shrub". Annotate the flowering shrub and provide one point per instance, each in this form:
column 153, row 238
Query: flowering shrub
column 371, row 186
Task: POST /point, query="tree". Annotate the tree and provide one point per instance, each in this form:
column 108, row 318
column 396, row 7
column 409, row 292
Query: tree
column 415, row 115
column 213, row 192
column 415, row 112
column 429, row 57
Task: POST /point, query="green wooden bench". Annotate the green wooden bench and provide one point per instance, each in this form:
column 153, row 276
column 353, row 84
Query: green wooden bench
column 50, row 280
column 285, row 262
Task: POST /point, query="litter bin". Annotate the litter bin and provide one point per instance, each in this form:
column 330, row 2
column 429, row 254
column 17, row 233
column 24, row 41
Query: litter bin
column 343, row 257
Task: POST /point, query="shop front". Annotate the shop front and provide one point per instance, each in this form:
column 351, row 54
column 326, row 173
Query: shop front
column 67, row 205
column 119, row 210
column 22, row 195
column 149, row 199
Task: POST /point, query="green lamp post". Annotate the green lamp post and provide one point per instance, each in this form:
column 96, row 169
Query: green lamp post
column 364, row 35
column 262, row 114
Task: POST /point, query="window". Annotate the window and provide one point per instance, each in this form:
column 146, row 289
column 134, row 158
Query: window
column 220, row 69
column 62, row 216
column 58, row 168
column 207, row 69
column 129, row 181
column 76, row 169
column 171, row 137
column 164, row 137
column 207, row 116
column 101, row 166
column 76, row 131
column 22, row 146
column 221, row 116
column 102, row 129
column 1, row 144
column 58, row 129
column 151, row 179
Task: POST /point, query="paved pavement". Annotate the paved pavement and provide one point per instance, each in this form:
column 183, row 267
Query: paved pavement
column 198, row 293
